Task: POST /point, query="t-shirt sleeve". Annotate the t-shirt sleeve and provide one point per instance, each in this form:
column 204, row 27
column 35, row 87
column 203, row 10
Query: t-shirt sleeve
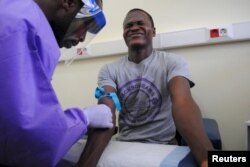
column 177, row 66
column 106, row 77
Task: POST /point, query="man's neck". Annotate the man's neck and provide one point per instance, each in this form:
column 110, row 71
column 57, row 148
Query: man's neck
column 138, row 55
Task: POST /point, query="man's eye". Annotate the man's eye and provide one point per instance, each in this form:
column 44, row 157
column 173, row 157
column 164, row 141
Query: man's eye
column 129, row 25
column 140, row 23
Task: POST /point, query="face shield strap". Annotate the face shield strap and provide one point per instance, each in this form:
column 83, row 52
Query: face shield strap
column 92, row 11
column 97, row 24
column 90, row 8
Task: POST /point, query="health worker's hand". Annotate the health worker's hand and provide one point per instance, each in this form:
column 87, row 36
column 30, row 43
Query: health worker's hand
column 98, row 116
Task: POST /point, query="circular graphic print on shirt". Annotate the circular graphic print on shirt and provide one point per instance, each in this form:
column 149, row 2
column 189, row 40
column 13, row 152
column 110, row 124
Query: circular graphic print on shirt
column 141, row 102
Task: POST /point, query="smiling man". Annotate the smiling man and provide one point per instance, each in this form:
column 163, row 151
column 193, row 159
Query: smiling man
column 154, row 91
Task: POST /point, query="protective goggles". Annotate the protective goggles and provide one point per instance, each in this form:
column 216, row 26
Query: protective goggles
column 93, row 15
column 87, row 23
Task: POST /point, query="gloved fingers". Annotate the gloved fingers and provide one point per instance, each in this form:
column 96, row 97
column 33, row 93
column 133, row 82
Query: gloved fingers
column 101, row 125
column 110, row 125
column 98, row 116
column 105, row 120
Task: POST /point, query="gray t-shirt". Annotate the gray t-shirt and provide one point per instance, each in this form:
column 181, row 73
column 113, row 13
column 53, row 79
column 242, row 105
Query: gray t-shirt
column 142, row 88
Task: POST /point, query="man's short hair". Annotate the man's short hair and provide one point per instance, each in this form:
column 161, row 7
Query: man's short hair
column 149, row 16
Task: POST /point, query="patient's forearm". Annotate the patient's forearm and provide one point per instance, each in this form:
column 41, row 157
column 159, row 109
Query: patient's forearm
column 97, row 140
column 189, row 124
column 96, row 143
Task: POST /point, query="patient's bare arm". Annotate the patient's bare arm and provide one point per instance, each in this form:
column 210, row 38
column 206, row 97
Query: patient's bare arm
column 188, row 120
column 98, row 138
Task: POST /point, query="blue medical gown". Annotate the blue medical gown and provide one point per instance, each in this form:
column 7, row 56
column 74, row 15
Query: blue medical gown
column 34, row 130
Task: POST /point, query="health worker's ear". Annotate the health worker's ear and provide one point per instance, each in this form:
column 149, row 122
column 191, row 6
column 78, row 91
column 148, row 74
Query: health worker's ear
column 71, row 5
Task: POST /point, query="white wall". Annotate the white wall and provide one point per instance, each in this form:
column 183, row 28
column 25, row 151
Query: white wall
column 174, row 15
column 220, row 71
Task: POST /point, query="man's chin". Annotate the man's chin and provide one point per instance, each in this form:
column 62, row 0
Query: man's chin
column 137, row 46
column 65, row 45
